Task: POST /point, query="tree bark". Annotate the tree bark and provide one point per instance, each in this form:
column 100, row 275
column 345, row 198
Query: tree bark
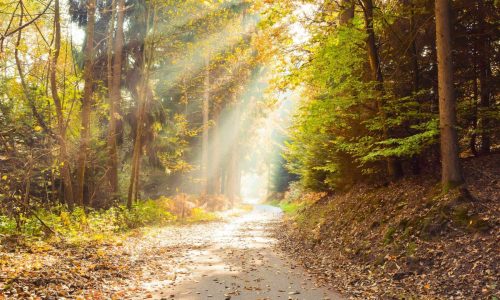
column 215, row 162
column 475, row 96
column 115, row 99
column 394, row 167
column 484, row 78
column 451, row 172
column 63, row 149
column 86, row 103
column 346, row 12
column 230, row 176
column 415, row 160
column 136, row 156
column 143, row 98
column 205, row 109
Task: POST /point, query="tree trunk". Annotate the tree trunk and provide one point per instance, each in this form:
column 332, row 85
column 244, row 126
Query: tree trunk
column 115, row 99
column 473, row 138
column 206, row 108
column 136, row 157
column 230, row 175
column 86, row 103
column 415, row 160
column 143, row 97
column 346, row 12
column 215, row 166
column 394, row 167
column 484, row 79
column 232, row 167
column 451, row 172
column 24, row 85
column 63, row 150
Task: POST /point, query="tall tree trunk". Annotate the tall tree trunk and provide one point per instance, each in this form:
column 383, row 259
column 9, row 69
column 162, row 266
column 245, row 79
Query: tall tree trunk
column 475, row 92
column 232, row 166
column 86, row 103
column 215, row 165
column 143, row 97
column 205, row 108
column 415, row 160
column 394, row 167
column 61, row 124
column 115, row 99
column 484, row 78
column 136, row 156
column 230, row 176
column 451, row 172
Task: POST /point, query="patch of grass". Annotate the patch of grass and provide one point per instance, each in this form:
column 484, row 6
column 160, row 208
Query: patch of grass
column 245, row 207
column 411, row 249
column 291, row 207
column 199, row 215
column 274, row 202
column 389, row 235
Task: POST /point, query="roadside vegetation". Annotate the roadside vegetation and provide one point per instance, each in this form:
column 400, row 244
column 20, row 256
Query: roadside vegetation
column 401, row 240
column 97, row 224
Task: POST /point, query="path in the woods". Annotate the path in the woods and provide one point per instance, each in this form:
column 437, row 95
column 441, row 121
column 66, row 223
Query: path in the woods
column 238, row 260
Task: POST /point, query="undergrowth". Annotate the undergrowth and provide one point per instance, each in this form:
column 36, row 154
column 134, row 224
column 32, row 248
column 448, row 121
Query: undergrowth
column 82, row 225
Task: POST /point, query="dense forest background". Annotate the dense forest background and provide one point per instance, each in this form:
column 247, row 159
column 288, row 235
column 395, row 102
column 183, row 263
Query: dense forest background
column 108, row 102
column 373, row 124
column 368, row 76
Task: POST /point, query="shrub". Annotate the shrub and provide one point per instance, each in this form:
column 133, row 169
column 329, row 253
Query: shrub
column 198, row 214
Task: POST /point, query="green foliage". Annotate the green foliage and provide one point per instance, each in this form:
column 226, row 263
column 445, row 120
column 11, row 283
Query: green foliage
column 291, row 207
column 389, row 235
column 297, row 198
column 200, row 215
column 327, row 128
column 346, row 127
column 79, row 225
column 149, row 212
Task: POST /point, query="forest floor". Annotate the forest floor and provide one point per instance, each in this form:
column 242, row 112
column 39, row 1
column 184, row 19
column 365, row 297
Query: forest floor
column 230, row 259
column 405, row 240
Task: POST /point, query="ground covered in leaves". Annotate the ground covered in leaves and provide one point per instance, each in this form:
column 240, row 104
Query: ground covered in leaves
column 111, row 265
column 116, row 269
column 405, row 240
column 231, row 258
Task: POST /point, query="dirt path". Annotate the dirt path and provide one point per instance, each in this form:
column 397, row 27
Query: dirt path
column 231, row 259
column 238, row 260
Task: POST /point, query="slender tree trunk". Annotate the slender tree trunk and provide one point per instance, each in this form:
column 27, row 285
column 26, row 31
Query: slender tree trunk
column 232, row 167
column 136, row 156
column 24, row 85
column 451, row 172
column 415, row 160
column 86, row 104
column 230, row 178
column 473, row 138
column 215, row 166
column 484, row 79
column 143, row 98
column 63, row 149
column 206, row 108
column 115, row 99
column 394, row 167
